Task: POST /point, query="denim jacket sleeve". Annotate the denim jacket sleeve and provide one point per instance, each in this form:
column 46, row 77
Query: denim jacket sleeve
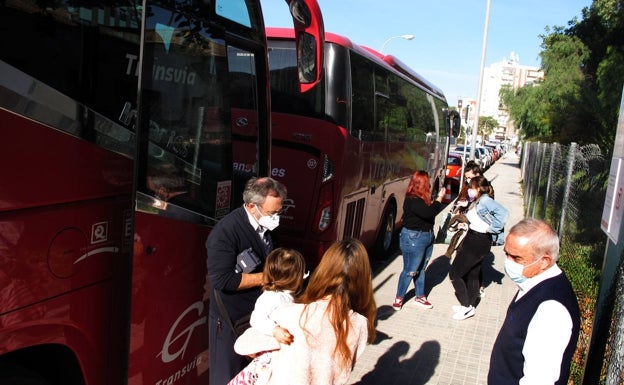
column 493, row 213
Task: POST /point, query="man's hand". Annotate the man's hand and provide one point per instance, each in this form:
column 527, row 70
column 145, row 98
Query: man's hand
column 250, row 280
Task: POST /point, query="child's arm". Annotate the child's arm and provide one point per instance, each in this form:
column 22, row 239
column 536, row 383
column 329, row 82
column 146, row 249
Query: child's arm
column 282, row 335
column 260, row 320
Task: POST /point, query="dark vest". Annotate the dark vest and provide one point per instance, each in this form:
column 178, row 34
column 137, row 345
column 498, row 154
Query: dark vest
column 507, row 362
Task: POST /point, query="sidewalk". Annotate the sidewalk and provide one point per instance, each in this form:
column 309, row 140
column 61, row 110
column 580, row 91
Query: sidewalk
column 418, row 346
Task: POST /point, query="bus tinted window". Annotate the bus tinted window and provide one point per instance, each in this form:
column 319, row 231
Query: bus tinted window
column 86, row 52
column 90, row 82
column 362, row 118
column 190, row 81
column 398, row 112
column 285, row 95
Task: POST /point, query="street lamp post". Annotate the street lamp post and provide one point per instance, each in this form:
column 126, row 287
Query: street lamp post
column 406, row 37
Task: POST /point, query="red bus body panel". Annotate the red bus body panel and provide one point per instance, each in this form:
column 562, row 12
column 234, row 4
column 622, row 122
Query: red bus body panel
column 169, row 334
column 76, row 242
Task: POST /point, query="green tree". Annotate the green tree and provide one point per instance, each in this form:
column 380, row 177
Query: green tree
column 561, row 91
column 584, row 72
column 487, row 124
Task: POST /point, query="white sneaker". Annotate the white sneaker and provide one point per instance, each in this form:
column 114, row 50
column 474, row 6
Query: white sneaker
column 464, row 312
column 456, row 308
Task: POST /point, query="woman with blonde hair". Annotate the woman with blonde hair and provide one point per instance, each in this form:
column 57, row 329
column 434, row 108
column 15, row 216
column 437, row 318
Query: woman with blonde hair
column 330, row 323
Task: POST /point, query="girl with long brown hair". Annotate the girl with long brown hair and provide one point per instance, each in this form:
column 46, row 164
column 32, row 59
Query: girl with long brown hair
column 331, row 322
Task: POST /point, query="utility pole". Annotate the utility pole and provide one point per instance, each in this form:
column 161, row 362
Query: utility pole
column 483, row 50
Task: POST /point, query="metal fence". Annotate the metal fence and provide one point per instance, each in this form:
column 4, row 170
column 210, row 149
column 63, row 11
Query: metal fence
column 565, row 185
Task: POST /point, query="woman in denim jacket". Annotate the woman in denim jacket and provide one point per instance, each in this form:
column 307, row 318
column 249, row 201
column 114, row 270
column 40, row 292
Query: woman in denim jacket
column 487, row 217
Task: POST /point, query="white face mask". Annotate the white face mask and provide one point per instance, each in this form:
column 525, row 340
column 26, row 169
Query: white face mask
column 472, row 194
column 269, row 221
column 515, row 270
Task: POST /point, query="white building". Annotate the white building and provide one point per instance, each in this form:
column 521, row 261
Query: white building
column 506, row 72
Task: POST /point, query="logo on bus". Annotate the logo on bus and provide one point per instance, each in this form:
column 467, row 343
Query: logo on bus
column 183, row 334
column 287, row 204
column 242, row 121
column 99, row 232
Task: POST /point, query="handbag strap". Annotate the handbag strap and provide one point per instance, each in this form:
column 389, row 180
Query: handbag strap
column 223, row 310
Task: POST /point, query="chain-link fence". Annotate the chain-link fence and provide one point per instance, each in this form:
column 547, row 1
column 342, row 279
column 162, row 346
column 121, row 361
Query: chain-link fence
column 614, row 353
column 565, row 185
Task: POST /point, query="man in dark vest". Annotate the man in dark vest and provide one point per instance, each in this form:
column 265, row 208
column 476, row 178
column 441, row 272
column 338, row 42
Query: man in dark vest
column 538, row 338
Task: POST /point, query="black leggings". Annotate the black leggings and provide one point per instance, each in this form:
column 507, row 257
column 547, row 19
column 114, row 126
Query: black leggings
column 466, row 267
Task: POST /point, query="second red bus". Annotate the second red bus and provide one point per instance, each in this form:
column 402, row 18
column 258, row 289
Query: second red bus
column 347, row 147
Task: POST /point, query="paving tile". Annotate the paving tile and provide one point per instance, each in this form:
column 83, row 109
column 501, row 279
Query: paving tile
column 426, row 346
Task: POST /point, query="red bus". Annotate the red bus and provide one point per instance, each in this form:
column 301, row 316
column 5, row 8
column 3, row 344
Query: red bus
column 128, row 130
column 347, row 147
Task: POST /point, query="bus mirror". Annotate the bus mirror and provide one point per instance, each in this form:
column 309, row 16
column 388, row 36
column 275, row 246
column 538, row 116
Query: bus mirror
column 300, row 12
column 454, row 121
column 306, row 54
column 310, row 35
column 456, row 126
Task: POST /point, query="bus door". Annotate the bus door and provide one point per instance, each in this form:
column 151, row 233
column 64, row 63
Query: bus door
column 194, row 80
column 203, row 132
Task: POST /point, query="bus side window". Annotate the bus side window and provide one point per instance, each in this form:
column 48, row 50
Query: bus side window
column 363, row 92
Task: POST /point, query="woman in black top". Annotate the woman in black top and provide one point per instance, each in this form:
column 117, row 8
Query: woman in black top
column 416, row 239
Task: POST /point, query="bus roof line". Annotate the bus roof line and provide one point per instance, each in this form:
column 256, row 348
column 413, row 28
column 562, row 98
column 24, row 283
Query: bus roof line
column 375, row 56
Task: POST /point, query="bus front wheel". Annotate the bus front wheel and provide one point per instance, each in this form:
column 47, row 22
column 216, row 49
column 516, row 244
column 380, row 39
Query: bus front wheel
column 386, row 232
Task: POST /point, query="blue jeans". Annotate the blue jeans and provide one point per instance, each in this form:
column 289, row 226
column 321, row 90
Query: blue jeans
column 417, row 247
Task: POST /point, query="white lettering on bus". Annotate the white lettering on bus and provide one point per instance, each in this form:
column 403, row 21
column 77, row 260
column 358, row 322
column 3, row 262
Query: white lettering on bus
column 385, row 168
column 278, row 172
column 175, row 75
column 239, row 166
column 162, row 72
column 132, row 62
column 180, row 372
column 165, row 354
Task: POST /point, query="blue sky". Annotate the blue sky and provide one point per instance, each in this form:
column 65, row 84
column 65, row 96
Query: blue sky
column 449, row 34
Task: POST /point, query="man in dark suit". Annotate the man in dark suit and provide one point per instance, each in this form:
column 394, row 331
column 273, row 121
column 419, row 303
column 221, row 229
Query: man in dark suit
column 538, row 338
column 248, row 226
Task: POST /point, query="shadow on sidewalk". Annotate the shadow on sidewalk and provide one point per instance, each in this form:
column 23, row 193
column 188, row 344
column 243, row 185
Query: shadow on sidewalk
column 490, row 274
column 436, row 272
column 392, row 368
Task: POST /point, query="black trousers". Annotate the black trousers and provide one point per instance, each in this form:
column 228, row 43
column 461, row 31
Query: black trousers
column 466, row 267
